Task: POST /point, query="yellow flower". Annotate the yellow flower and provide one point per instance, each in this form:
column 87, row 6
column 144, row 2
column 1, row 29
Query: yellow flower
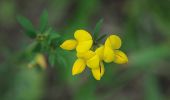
column 82, row 42
column 99, row 71
column 108, row 53
column 92, row 60
column 120, row 57
column 114, row 42
column 105, row 53
column 78, row 66
column 89, row 58
column 38, row 60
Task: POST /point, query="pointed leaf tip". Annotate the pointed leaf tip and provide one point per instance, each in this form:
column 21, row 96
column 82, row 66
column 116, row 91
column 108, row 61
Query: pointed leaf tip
column 27, row 26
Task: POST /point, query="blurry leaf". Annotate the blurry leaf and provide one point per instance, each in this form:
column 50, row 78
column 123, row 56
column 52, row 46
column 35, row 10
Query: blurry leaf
column 48, row 31
column 150, row 55
column 43, row 21
column 152, row 91
column 97, row 29
column 54, row 39
column 101, row 37
column 54, row 35
column 31, row 47
column 37, row 48
column 65, row 58
column 27, row 25
column 61, row 60
column 52, row 59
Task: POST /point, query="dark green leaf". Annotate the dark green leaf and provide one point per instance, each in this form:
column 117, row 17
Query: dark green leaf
column 101, row 37
column 61, row 60
column 48, row 31
column 27, row 25
column 97, row 29
column 54, row 39
column 52, row 59
column 43, row 21
column 37, row 48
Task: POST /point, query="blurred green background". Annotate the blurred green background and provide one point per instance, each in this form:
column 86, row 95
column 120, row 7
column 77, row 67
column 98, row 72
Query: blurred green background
column 143, row 26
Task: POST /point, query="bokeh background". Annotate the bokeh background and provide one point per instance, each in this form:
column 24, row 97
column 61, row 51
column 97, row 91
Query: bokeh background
column 143, row 26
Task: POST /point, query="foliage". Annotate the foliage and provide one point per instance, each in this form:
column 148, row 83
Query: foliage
column 143, row 26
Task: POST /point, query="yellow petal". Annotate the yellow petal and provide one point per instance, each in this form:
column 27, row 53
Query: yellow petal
column 41, row 61
column 82, row 35
column 113, row 41
column 108, row 54
column 98, row 72
column 86, row 55
column 120, row 57
column 84, row 46
column 78, row 66
column 99, row 51
column 69, row 44
column 93, row 62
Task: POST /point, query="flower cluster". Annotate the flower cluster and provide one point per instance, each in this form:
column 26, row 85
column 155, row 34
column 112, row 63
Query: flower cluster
column 92, row 57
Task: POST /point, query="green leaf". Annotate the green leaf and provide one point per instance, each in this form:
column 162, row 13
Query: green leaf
column 150, row 55
column 97, row 29
column 101, row 37
column 27, row 25
column 43, row 21
column 61, row 60
column 54, row 39
column 37, row 47
column 52, row 59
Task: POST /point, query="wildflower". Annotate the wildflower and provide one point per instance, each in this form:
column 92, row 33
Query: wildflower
column 98, row 72
column 106, row 53
column 78, row 66
column 38, row 60
column 94, row 59
column 82, row 42
column 114, row 42
column 109, row 53
column 89, row 58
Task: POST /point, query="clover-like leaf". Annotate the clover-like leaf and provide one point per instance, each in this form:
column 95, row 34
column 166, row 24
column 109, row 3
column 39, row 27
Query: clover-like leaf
column 27, row 25
column 43, row 21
